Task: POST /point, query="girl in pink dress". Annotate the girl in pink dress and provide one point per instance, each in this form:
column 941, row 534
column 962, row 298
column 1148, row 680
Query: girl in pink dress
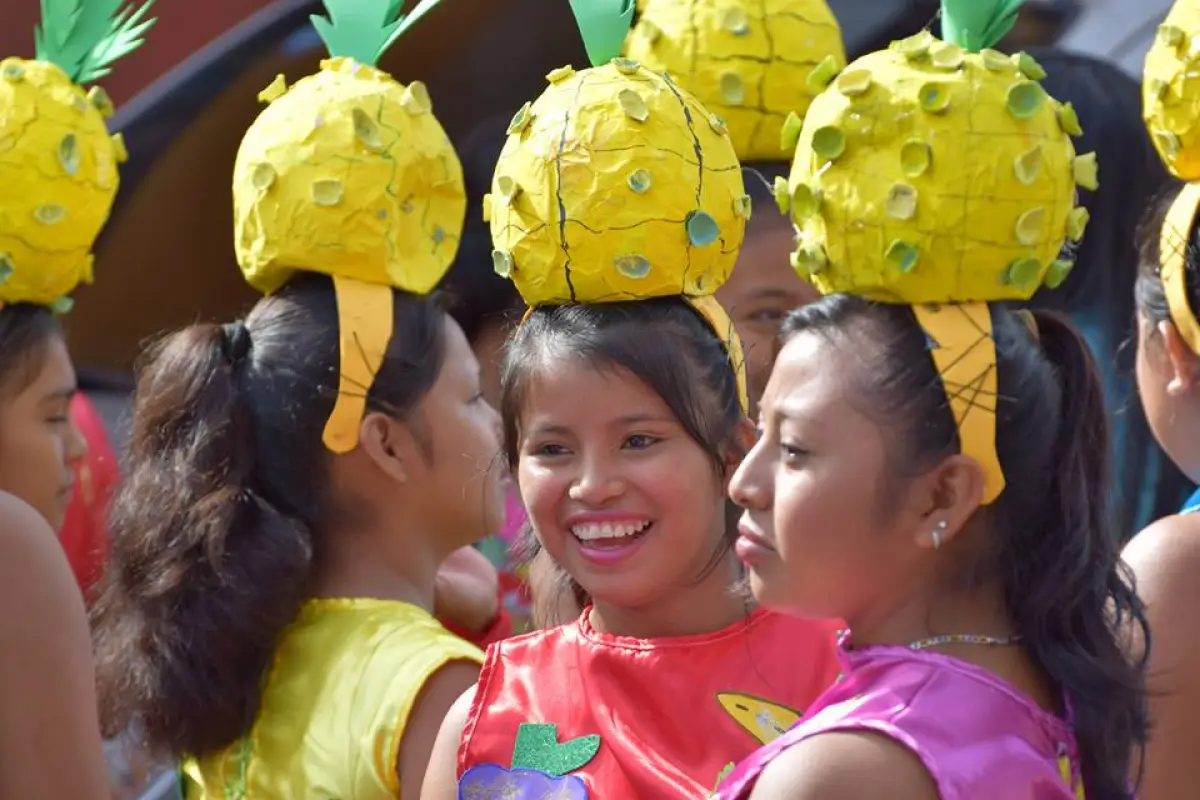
column 932, row 465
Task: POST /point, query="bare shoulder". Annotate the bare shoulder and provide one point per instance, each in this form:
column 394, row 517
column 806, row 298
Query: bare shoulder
column 846, row 766
column 1168, row 551
column 36, row 584
column 437, row 697
column 441, row 779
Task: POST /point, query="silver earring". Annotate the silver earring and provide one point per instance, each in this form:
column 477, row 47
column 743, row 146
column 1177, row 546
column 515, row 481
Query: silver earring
column 937, row 533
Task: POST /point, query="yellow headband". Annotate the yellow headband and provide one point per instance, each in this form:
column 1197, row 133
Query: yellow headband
column 964, row 353
column 718, row 319
column 1173, row 244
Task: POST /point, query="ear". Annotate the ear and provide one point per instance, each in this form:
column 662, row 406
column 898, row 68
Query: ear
column 389, row 444
column 741, row 441
column 1182, row 359
column 949, row 495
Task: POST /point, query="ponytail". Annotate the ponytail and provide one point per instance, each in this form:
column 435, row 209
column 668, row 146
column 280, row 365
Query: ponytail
column 206, row 571
column 1070, row 595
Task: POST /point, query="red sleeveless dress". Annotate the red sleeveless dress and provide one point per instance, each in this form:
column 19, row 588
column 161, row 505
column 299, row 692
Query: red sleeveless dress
column 569, row 712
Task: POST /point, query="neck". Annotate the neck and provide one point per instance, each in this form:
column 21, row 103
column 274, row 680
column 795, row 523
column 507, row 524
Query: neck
column 703, row 607
column 980, row 612
column 368, row 563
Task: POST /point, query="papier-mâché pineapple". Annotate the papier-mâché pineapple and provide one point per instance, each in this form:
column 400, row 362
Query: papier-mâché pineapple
column 1171, row 90
column 749, row 61
column 348, row 172
column 938, row 171
column 58, row 162
column 615, row 184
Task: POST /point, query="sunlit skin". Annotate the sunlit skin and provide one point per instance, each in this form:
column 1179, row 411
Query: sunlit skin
column 39, row 444
column 760, row 292
column 598, row 447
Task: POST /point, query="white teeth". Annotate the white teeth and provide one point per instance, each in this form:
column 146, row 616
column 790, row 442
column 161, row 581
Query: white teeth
column 590, row 531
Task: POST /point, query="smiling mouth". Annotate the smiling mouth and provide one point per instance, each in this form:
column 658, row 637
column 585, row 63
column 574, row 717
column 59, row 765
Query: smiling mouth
column 608, row 534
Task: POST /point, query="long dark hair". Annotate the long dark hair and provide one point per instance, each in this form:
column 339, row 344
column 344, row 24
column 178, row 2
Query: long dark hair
column 216, row 526
column 1051, row 545
column 664, row 343
column 25, row 330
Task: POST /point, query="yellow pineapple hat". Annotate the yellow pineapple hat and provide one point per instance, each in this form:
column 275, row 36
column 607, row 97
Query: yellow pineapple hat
column 349, row 174
column 616, row 185
column 58, row 163
column 757, row 63
column 940, row 174
column 1171, row 105
column 1171, row 90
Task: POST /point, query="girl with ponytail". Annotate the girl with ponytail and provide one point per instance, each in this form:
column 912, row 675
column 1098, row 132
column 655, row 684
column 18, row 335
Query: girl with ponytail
column 943, row 488
column 296, row 478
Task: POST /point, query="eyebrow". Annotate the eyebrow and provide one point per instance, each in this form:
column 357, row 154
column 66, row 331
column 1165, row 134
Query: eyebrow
column 771, row 293
column 626, row 421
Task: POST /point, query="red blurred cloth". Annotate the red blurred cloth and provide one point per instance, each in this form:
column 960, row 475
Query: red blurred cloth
column 84, row 533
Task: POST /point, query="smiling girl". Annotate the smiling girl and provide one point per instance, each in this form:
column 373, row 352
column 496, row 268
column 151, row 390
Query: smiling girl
column 624, row 398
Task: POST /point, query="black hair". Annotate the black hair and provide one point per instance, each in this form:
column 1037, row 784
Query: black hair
column 26, row 330
column 216, row 529
column 1050, row 542
column 1100, row 292
column 664, row 343
column 477, row 295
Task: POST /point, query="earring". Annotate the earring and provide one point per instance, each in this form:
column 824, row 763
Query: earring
column 938, row 530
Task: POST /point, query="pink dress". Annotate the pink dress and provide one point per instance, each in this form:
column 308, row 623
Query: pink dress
column 979, row 738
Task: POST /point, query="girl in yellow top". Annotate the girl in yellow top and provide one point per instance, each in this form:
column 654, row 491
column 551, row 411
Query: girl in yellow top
column 296, row 478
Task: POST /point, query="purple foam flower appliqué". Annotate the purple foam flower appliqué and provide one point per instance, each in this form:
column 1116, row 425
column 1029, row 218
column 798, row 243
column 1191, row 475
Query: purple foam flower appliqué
column 494, row 782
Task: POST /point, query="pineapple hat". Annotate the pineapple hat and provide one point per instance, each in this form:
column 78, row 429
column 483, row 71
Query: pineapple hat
column 58, row 162
column 757, row 64
column 348, row 173
column 617, row 185
column 1171, row 103
column 939, row 174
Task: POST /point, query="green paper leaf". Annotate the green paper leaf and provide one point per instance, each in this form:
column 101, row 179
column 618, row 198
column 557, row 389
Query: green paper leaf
column 976, row 24
column 537, row 747
column 363, row 30
column 84, row 37
column 409, row 19
column 603, row 24
column 127, row 33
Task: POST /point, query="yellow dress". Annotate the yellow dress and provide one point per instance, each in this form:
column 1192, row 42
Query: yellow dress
column 337, row 698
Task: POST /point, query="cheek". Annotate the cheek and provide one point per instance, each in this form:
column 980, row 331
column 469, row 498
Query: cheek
column 543, row 491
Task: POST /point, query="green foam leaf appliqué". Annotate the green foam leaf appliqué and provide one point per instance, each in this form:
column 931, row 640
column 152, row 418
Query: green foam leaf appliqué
column 85, row 37
column 976, row 24
column 364, row 29
column 537, row 747
column 603, row 24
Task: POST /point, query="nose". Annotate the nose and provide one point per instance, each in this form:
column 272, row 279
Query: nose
column 750, row 487
column 76, row 447
column 597, row 483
